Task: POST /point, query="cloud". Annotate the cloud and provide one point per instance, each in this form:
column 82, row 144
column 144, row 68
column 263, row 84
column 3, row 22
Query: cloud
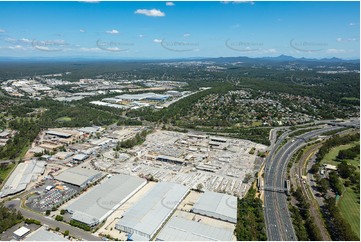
column 237, row 2
column 141, row 36
column 2, row 31
column 346, row 39
column 18, row 41
column 353, row 24
column 236, row 26
column 81, row 30
column 24, row 40
column 89, row 49
column 157, row 41
column 113, row 31
column 336, row 51
column 89, row 1
column 10, row 40
column 17, row 47
column 150, row 12
column 270, row 51
column 169, row 4
column 186, row 35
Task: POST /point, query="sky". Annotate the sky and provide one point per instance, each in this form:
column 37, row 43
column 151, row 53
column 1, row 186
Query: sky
column 163, row 30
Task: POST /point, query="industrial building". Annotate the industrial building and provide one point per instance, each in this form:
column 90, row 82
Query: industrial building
column 89, row 130
column 147, row 216
column 181, row 229
column 217, row 205
column 21, row 233
column 43, row 235
column 59, row 134
column 96, row 205
column 23, row 174
column 143, row 96
column 79, row 176
column 165, row 158
column 79, row 158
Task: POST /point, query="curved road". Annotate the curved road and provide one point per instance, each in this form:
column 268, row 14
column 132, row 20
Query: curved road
column 76, row 232
column 278, row 219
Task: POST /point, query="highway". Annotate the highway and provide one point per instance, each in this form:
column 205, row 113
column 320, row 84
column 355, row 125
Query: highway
column 278, row 220
column 73, row 231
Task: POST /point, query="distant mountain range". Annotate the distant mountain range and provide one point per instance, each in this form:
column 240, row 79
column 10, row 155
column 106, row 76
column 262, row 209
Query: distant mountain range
column 281, row 58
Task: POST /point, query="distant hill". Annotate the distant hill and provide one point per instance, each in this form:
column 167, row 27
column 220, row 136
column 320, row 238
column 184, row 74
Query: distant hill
column 281, row 58
column 244, row 59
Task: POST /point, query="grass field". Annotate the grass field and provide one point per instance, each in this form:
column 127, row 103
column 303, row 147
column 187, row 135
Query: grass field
column 256, row 123
column 64, row 119
column 5, row 172
column 350, row 210
column 348, row 204
column 350, row 98
column 331, row 156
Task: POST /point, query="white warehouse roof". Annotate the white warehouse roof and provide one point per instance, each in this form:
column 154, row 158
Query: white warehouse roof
column 146, row 217
column 21, row 232
column 217, row 205
column 43, row 235
column 22, row 176
column 181, row 229
column 95, row 206
column 78, row 176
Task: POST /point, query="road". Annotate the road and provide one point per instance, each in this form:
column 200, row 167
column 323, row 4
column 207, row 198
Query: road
column 75, row 232
column 278, row 219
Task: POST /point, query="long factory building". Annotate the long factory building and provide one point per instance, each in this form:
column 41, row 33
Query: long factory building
column 147, row 216
column 95, row 206
column 217, row 205
column 181, row 229
column 78, row 176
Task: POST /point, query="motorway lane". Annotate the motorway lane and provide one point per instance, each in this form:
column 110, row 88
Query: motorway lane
column 76, row 232
column 272, row 223
column 278, row 220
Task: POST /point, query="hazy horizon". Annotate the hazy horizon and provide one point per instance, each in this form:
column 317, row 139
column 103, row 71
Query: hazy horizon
column 178, row 30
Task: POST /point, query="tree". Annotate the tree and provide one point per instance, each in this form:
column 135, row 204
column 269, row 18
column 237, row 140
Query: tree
column 324, row 185
column 66, row 232
column 62, row 212
column 345, row 170
column 47, row 213
column 315, row 168
column 59, row 218
column 57, row 229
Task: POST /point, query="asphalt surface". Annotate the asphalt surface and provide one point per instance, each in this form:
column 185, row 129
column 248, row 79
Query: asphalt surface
column 73, row 231
column 278, row 219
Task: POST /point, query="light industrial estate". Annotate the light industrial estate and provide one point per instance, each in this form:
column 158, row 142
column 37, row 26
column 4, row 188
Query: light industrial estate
column 96, row 205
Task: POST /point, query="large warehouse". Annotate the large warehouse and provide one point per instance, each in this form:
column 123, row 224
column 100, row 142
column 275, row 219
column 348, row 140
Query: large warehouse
column 147, row 216
column 217, row 205
column 43, row 235
column 181, row 229
column 79, row 176
column 95, row 206
column 23, row 174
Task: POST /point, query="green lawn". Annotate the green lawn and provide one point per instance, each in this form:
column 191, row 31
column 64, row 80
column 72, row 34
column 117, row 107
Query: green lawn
column 355, row 162
column 350, row 210
column 348, row 204
column 350, row 98
column 64, row 119
column 256, row 123
column 5, row 172
column 331, row 156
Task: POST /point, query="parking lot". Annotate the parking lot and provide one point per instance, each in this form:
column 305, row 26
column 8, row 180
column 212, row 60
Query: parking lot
column 51, row 194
